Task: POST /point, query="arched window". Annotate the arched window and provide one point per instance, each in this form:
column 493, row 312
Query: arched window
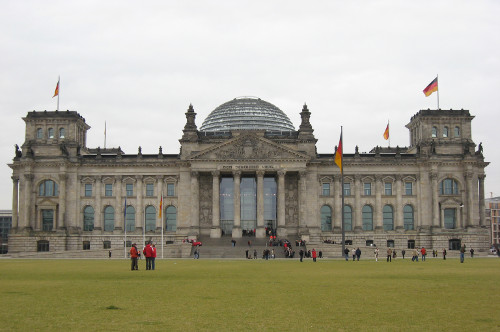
column 347, row 218
column 326, row 218
column 109, row 218
column 367, row 218
column 39, row 133
column 48, row 188
column 409, row 218
column 150, row 218
column 434, row 132
column 388, row 218
column 457, row 132
column 51, row 133
column 88, row 218
column 171, row 218
column 61, row 132
column 448, row 187
column 130, row 218
column 445, row 132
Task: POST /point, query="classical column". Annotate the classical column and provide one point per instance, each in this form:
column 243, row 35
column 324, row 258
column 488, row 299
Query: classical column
column 435, row 199
column 27, row 221
column 140, row 193
column 195, row 201
column 281, row 203
column 59, row 223
column 118, row 200
column 237, row 205
column 379, row 188
column 215, row 231
column 357, row 218
column 261, row 232
column 468, row 220
column 481, row 200
column 302, row 198
column 98, row 204
column 337, row 201
column 15, row 198
column 398, row 213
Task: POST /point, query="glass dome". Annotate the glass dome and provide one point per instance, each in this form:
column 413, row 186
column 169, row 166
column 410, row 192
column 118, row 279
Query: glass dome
column 247, row 113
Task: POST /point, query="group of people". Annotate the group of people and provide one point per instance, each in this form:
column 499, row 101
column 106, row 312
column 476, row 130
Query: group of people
column 149, row 252
column 309, row 254
column 356, row 254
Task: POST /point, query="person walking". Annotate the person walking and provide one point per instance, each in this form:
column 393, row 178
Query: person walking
column 415, row 255
column 424, row 253
column 153, row 257
column 314, row 255
column 353, row 254
column 133, row 257
column 444, row 254
column 376, row 254
column 403, row 252
column 255, row 254
column 358, row 253
column 147, row 253
column 301, row 254
column 389, row 255
column 471, row 253
column 346, row 254
column 462, row 254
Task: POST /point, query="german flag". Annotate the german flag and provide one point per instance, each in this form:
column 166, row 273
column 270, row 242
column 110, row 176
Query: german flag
column 56, row 93
column 386, row 132
column 338, row 154
column 432, row 87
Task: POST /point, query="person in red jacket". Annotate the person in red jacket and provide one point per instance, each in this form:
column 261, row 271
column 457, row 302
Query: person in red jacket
column 314, row 255
column 133, row 256
column 424, row 253
column 153, row 257
column 148, row 253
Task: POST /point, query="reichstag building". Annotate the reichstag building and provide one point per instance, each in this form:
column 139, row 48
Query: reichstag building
column 246, row 171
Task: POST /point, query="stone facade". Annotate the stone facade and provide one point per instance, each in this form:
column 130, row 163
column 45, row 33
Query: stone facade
column 67, row 196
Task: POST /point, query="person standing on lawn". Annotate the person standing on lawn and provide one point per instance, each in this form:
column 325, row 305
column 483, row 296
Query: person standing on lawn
column 314, row 255
column 153, row 257
column 389, row 255
column 147, row 253
column 133, row 256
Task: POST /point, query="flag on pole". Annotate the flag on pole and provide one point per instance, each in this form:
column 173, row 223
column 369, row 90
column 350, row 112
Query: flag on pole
column 338, row 154
column 386, row 132
column 161, row 206
column 432, row 87
column 56, row 93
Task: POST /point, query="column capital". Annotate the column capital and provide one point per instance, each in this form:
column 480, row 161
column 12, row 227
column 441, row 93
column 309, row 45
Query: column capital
column 237, row 173
column 215, row 173
column 139, row 177
column 260, row 173
column 399, row 177
column 481, row 176
column 281, row 173
column 29, row 177
column 303, row 174
column 63, row 177
column 15, row 178
column 433, row 175
column 194, row 174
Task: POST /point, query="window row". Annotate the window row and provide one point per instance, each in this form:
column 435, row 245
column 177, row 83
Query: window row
column 453, row 244
column 129, row 189
column 367, row 218
column 445, row 132
column 150, row 217
column 50, row 133
column 368, row 189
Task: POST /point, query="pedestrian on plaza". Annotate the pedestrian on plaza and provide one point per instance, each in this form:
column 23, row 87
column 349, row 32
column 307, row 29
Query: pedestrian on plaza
column 415, row 255
column 353, row 254
column 147, row 253
column 403, row 252
column 376, row 254
column 109, row 254
column 272, row 254
column 462, row 254
column 358, row 253
column 255, row 254
column 389, row 255
column 394, row 254
column 133, row 256
column 153, row 257
column 444, row 254
column 346, row 254
column 424, row 253
column 314, row 255
column 246, row 253
column 301, row 254
column 471, row 253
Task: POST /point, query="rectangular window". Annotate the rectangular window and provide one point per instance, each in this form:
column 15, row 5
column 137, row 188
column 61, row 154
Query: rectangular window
column 368, row 189
column 130, row 189
column 108, row 190
column 408, row 188
column 449, row 218
column 88, row 190
column 388, row 188
column 86, row 245
column 411, row 244
column 326, row 189
column 106, row 244
column 150, row 189
column 170, row 189
column 47, row 220
column 347, row 189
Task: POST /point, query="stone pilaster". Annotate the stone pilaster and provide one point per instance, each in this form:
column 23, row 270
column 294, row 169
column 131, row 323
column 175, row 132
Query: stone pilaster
column 98, row 204
column 398, row 213
column 26, row 220
column 15, row 199
column 481, row 200
column 357, row 218
column 469, row 215
column 59, row 223
column 377, row 213
column 237, row 205
column 435, row 200
column 281, row 203
column 118, row 201
column 195, row 201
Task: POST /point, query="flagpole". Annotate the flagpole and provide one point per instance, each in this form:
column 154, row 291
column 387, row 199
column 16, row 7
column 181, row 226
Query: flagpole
column 125, row 223
column 162, row 225
column 58, row 91
column 437, row 81
column 104, row 134
column 342, row 188
column 389, row 132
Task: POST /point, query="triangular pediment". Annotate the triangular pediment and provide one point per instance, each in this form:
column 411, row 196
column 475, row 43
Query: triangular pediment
column 249, row 147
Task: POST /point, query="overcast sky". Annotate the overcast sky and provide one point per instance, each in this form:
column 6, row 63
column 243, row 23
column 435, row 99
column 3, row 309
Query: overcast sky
column 139, row 64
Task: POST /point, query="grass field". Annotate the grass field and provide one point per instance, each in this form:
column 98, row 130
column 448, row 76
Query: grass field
column 250, row 295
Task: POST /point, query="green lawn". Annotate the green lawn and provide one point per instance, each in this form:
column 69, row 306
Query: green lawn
column 250, row 295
